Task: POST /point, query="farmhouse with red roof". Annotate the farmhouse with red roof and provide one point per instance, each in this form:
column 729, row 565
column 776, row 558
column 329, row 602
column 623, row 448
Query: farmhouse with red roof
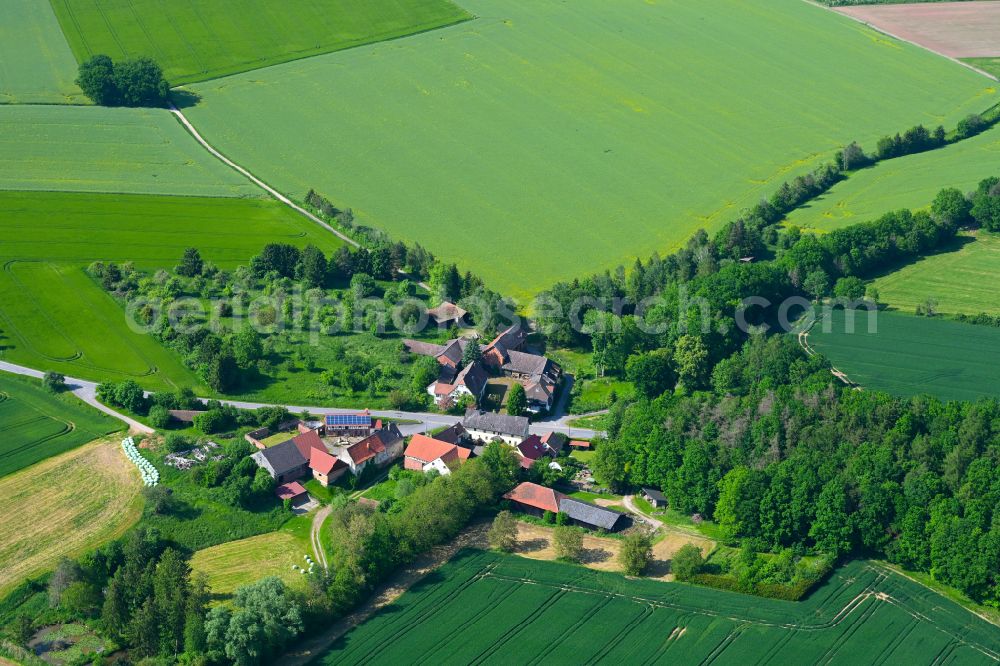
column 426, row 453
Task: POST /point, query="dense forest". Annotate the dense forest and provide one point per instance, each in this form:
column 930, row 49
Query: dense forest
column 782, row 458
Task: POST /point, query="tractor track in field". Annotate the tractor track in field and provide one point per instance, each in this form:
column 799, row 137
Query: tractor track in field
column 255, row 180
column 803, row 338
column 267, row 188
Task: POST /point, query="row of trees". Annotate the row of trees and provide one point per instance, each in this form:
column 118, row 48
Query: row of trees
column 690, row 327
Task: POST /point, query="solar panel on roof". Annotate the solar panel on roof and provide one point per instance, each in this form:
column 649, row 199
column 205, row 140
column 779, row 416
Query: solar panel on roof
column 348, row 420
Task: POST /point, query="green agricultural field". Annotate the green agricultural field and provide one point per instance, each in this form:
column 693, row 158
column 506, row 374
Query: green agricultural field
column 572, row 136
column 910, row 355
column 962, row 281
column 36, row 65
column 95, row 149
column 195, row 40
column 988, row 65
column 906, row 182
column 35, row 424
column 494, row 609
column 54, row 316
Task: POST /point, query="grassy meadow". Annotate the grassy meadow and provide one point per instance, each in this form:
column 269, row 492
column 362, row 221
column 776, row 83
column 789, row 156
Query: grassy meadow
column 906, row 182
column 36, row 64
column 511, row 609
column 230, row 565
column 99, row 149
column 207, row 39
column 551, row 128
column 910, row 355
column 72, row 502
column 54, row 316
column 36, row 424
column 962, row 281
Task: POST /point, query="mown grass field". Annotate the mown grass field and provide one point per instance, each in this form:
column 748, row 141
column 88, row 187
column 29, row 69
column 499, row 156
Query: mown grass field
column 65, row 505
column 493, row 609
column 98, row 149
column 230, row 565
column 36, row 424
column 906, row 182
column 206, row 39
column 571, row 136
column 910, row 355
column 962, row 281
column 36, row 65
column 54, row 316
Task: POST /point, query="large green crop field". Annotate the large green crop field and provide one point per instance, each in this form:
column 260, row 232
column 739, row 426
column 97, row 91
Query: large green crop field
column 568, row 137
column 194, row 40
column 35, row 424
column 486, row 608
column 906, row 182
column 52, row 314
column 95, row 149
column 909, row 355
column 962, row 281
column 36, row 65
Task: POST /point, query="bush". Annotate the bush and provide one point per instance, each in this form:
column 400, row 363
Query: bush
column 159, row 417
column 54, row 382
column 212, row 421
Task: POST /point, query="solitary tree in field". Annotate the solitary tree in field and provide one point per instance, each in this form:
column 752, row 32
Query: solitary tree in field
column 97, row 80
column 568, row 543
column 636, row 552
column 687, row 562
column 517, row 401
column 503, row 533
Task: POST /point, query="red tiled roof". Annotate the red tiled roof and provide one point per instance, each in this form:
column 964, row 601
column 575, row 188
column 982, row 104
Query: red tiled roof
column 307, row 441
column 290, row 490
column 533, row 448
column 426, row 449
column 580, row 444
column 323, row 462
column 367, row 448
column 534, row 495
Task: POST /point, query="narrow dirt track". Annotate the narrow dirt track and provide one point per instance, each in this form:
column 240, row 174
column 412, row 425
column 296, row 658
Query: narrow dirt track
column 315, row 532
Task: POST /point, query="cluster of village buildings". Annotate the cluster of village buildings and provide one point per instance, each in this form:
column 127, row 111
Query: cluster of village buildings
column 503, row 356
column 352, row 443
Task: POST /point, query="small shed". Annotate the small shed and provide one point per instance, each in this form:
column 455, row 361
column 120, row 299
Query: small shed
column 580, row 444
column 654, row 497
column 293, row 491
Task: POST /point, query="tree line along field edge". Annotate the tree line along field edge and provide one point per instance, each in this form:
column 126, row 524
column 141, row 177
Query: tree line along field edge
column 44, row 284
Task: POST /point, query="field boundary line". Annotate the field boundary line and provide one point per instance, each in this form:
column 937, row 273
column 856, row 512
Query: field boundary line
column 896, row 570
column 901, row 39
column 255, row 180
